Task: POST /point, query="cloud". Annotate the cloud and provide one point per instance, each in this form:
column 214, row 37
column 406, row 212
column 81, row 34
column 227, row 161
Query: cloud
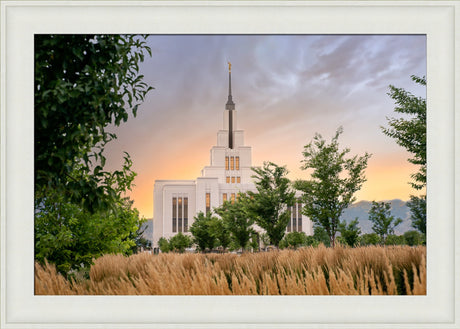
column 285, row 88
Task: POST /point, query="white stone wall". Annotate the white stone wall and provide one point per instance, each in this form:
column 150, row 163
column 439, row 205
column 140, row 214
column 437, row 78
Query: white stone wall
column 164, row 191
column 206, row 185
column 238, row 138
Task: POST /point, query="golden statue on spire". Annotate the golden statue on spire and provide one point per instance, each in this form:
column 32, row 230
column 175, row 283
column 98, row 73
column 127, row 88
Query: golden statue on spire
column 229, row 67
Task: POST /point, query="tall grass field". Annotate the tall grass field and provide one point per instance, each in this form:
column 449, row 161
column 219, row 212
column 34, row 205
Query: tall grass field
column 398, row 270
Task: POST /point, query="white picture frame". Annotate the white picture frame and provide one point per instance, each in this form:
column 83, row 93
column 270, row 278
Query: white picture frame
column 21, row 20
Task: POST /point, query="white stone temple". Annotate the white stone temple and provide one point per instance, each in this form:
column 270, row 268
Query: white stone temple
column 176, row 202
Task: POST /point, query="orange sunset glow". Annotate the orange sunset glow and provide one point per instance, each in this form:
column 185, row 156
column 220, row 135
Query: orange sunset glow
column 286, row 89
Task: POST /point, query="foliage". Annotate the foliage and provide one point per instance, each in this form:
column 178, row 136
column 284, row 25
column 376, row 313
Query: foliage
column 320, row 235
column 311, row 241
column 393, row 240
column 334, row 181
column 410, row 133
column 265, row 239
column 141, row 243
column 164, row 244
column 369, row 239
column 414, row 238
column 350, row 232
column 294, row 240
column 71, row 237
column 83, row 83
column 254, row 243
column 221, row 231
column 269, row 205
column 384, row 222
column 179, row 242
column 417, row 206
column 203, row 231
column 237, row 222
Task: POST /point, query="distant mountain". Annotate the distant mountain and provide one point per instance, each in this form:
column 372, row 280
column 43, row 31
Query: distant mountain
column 361, row 209
column 148, row 229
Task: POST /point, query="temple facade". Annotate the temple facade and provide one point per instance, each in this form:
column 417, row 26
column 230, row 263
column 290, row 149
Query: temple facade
column 176, row 202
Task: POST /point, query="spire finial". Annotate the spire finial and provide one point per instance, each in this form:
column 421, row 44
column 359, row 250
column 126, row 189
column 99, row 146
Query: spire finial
column 229, row 67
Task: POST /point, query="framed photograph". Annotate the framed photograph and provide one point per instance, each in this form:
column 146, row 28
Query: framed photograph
column 194, row 27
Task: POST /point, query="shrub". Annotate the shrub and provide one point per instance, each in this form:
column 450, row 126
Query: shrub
column 414, row 238
column 294, row 240
column 369, row 239
column 179, row 242
column 164, row 245
column 393, row 240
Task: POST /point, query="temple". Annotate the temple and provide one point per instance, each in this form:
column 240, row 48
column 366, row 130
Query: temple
column 176, row 202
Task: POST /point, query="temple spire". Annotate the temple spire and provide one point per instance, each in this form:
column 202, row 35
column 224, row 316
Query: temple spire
column 230, row 105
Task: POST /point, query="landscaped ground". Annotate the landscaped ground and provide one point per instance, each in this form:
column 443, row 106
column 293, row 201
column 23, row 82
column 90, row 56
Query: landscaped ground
column 307, row 271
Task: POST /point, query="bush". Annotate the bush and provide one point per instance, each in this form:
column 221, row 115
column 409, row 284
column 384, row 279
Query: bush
column 164, row 245
column 69, row 236
column 294, row 240
column 311, row 241
column 179, row 242
column 414, row 238
column 204, row 232
column 393, row 240
column 369, row 239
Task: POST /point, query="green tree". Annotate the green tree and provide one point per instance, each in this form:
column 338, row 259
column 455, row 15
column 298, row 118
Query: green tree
column 311, row 241
column 294, row 240
column 269, row 205
column 221, row 231
column 202, row 230
column 350, row 232
column 414, row 238
column 383, row 222
column 395, row 240
column 71, row 237
column 254, row 243
column 417, row 206
column 237, row 221
column 180, row 242
column 265, row 239
column 320, row 235
column 369, row 239
column 83, row 83
column 411, row 134
column 164, row 245
column 334, row 181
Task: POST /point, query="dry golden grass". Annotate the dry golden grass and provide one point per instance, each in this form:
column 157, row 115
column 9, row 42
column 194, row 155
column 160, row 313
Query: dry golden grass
column 308, row 271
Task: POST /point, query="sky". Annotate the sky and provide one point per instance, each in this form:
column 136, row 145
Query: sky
column 286, row 89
